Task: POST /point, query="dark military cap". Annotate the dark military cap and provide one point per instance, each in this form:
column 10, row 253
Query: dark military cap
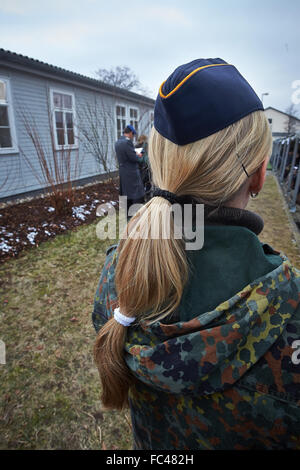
column 201, row 98
column 131, row 128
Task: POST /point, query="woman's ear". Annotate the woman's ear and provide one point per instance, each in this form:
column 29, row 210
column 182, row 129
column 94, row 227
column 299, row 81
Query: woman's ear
column 258, row 178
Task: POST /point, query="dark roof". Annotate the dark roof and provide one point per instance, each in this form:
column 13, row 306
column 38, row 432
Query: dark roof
column 282, row 112
column 19, row 61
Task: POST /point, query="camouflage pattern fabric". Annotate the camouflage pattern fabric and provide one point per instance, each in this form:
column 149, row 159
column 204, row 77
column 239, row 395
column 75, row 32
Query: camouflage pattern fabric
column 225, row 379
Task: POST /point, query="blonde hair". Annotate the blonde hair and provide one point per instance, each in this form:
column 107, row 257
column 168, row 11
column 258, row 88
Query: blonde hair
column 151, row 274
column 142, row 138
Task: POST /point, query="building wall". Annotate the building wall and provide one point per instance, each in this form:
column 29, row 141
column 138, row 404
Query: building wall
column 28, row 98
column 279, row 121
column 20, row 171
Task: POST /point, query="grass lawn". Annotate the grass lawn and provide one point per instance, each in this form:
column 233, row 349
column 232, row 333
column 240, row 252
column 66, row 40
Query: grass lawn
column 277, row 231
column 49, row 385
column 49, row 389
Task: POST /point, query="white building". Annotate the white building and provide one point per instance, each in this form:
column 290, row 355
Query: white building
column 278, row 121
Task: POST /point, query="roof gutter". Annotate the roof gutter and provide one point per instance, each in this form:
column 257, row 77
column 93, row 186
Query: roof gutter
column 30, row 66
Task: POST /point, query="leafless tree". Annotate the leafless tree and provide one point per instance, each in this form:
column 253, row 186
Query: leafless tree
column 120, row 76
column 144, row 123
column 9, row 177
column 97, row 133
column 291, row 120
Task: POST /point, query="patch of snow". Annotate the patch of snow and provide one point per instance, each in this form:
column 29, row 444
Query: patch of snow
column 79, row 212
column 62, row 226
column 44, row 225
column 51, row 209
column 113, row 203
column 7, row 234
column 47, row 232
column 5, row 247
column 31, row 236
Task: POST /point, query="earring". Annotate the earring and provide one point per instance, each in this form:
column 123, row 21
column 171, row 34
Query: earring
column 253, row 195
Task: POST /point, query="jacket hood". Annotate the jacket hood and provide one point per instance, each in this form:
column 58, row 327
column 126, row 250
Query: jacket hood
column 212, row 351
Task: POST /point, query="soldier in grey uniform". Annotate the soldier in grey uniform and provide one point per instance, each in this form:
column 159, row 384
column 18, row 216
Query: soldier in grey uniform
column 131, row 184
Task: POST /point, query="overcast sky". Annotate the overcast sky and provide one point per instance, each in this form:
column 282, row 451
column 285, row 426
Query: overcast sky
column 260, row 37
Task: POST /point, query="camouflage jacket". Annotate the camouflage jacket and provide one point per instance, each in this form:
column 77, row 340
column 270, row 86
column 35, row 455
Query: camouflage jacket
column 221, row 377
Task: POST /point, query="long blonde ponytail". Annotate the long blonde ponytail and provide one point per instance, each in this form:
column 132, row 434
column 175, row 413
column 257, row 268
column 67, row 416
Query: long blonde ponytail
column 151, row 273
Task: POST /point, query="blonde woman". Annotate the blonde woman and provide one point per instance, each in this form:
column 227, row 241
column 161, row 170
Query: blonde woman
column 203, row 345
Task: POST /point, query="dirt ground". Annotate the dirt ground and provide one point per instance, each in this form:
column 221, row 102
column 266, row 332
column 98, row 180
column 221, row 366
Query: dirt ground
column 33, row 221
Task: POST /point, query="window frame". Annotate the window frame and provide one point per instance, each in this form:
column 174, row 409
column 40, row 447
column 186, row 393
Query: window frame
column 11, row 118
column 121, row 105
column 134, row 108
column 127, row 107
column 63, row 110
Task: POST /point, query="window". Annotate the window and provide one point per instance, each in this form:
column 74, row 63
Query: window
column 7, row 128
column 121, row 119
column 126, row 115
column 270, row 122
column 134, row 118
column 63, row 108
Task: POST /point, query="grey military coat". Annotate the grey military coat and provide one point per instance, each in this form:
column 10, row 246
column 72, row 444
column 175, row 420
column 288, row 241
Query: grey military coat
column 131, row 184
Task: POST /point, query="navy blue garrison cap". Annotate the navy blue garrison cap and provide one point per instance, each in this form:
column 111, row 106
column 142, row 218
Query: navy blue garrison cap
column 131, row 128
column 201, row 98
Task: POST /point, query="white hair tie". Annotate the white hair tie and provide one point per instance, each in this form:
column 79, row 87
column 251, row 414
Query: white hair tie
column 122, row 319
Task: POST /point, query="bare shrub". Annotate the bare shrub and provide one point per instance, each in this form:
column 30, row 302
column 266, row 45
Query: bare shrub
column 56, row 169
